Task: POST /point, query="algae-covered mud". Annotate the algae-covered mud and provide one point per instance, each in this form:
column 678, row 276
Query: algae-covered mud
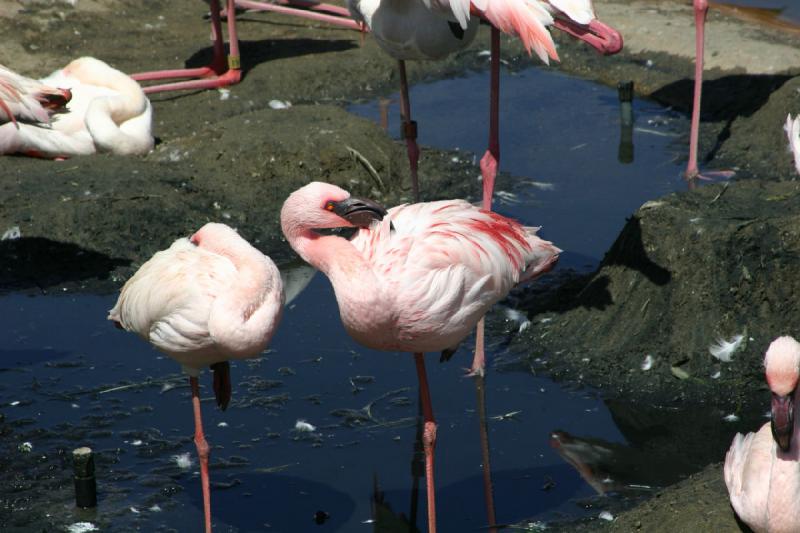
column 686, row 270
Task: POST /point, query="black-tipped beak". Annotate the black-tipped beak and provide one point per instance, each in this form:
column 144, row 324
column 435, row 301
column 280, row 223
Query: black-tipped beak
column 783, row 420
column 359, row 212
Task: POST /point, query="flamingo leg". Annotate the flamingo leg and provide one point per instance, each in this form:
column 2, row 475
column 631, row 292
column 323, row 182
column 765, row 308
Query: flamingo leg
column 488, row 492
column 202, row 451
column 489, row 163
column 409, row 129
column 692, row 171
column 220, row 73
column 330, row 14
column 428, row 438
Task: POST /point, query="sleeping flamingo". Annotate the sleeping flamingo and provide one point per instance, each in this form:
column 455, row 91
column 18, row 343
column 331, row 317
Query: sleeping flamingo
column 692, row 172
column 416, row 278
column 203, row 301
column 224, row 71
column 761, row 469
column 106, row 112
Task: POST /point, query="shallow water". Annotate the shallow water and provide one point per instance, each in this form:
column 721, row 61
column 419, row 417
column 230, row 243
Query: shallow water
column 68, row 378
column 788, row 10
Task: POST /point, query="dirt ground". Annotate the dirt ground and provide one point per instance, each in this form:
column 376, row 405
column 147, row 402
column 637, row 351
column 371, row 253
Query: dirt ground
column 687, row 268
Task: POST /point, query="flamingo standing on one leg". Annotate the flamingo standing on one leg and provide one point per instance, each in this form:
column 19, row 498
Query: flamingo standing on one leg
column 224, row 71
column 419, row 280
column 96, row 109
column 762, row 470
column 205, row 300
column 434, row 29
column 692, row 171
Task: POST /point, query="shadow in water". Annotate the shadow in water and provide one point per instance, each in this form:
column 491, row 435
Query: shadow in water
column 36, row 262
column 724, row 99
column 254, row 53
column 273, row 502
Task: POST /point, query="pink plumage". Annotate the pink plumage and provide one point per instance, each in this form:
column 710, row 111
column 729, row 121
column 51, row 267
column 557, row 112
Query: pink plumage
column 203, row 301
column 762, row 477
column 420, row 279
column 28, row 99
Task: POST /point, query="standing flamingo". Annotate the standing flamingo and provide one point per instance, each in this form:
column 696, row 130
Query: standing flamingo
column 762, row 471
column 224, row 71
column 692, row 172
column 96, row 108
column 205, row 300
column 434, row 29
column 419, row 280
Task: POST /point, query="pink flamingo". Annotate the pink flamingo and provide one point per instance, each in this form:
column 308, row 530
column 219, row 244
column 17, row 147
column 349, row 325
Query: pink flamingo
column 692, row 172
column 761, row 469
column 419, row 280
column 227, row 71
column 433, row 29
column 96, row 108
column 205, row 300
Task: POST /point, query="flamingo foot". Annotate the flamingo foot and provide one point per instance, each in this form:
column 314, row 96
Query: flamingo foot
column 479, row 360
column 207, row 78
column 489, row 172
column 709, row 175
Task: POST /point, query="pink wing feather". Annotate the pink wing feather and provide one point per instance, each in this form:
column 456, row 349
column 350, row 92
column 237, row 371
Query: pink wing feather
column 27, row 99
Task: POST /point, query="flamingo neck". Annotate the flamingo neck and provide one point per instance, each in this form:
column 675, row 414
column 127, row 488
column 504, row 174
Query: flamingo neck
column 785, row 481
column 364, row 305
column 244, row 319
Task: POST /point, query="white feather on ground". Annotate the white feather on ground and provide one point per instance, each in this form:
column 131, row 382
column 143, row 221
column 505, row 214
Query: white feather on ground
column 724, row 349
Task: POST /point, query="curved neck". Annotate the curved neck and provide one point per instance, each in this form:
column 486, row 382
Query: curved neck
column 336, row 257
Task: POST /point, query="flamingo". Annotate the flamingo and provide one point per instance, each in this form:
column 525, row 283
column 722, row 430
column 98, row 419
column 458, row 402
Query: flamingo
column 96, row 108
column 433, row 29
column 792, row 129
column 692, row 172
column 416, row 278
column 227, row 71
column 761, row 469
column 204, row 300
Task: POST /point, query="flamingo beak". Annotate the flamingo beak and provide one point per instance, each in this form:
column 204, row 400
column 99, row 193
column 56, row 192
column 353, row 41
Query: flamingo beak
column 596, row 34
column 782, row 422
column 359, row 212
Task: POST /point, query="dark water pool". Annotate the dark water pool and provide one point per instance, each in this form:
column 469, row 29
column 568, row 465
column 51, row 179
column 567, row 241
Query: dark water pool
column 68, row 378
column 787, row 10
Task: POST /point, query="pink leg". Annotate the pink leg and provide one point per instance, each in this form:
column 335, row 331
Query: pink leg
column 489, row 163
column 409, row 129
column 428, row 438
column 202, row 451
column 700, row 12
column 220, row 73
column 692, row 172
column 330, row 14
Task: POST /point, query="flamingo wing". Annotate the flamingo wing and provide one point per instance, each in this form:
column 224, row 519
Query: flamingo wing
column 169, row 299
column 27, row 99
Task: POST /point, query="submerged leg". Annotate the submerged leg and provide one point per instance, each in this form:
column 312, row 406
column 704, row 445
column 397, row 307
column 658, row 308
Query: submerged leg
column 428, row 438
column 202, row 451
column 409, row 129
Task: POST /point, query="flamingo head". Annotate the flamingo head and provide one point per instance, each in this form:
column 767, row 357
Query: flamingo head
column 324, row 206
column 782, row 362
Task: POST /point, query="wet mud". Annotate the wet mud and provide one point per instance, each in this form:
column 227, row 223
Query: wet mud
column 686, row 270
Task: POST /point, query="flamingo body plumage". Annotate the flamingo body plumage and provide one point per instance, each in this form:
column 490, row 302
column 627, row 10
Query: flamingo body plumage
column 763, row 479
column 203, row 301
column 107, row 112
column 419, row 280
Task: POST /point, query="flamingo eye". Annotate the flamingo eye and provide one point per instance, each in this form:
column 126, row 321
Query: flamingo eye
column 329, row 205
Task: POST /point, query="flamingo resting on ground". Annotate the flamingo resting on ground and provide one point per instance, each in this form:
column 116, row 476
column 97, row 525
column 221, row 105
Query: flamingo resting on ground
column 692, row 172
column 416, row 278
column 84, row 108
column 205, row 300
column 433, row 29
column 762, row 471
column 224, row 71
